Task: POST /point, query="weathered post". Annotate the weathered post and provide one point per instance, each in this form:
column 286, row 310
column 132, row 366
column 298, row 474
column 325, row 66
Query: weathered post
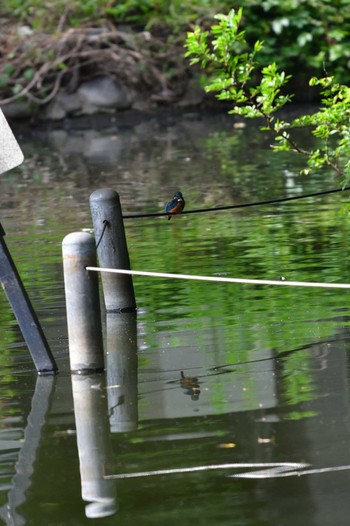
column 112, row 250
column 82, row 303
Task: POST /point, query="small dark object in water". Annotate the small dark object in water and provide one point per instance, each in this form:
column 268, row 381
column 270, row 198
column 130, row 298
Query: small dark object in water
column 191, row 384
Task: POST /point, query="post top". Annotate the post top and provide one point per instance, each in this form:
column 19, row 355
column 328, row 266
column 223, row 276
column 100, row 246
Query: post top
column 75, row 237
column 104, row 194
column 78, row 242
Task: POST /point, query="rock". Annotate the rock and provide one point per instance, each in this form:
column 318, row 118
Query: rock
column 70, row 102
column 21, row 109
column 64, row 104
column 24, row 31
column 194, row 95
column 104, row 94
column 54, row 111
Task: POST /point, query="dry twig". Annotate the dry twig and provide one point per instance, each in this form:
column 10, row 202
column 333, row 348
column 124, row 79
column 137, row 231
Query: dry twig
column 137, row 59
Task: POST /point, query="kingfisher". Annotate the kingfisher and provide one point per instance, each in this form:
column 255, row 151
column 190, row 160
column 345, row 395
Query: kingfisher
column 176, row 205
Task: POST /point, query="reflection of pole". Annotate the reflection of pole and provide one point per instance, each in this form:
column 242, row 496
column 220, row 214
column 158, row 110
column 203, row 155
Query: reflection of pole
column 121, row 368
column 112, row 249
column 26, row 458
column 82, row 303
column 93, row 445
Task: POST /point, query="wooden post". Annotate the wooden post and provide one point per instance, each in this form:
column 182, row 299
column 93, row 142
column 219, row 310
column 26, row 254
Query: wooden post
column 82, row 304
column 24, row 312
column 112, row 250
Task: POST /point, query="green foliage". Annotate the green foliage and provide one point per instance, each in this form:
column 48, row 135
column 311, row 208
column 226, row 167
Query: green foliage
column 147, row 13
column 313, row 32
column 46, row 14
column 235, row 75
column 309, row 36
column 175, row 14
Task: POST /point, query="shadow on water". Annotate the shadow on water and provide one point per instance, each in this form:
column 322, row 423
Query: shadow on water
column 219, row 404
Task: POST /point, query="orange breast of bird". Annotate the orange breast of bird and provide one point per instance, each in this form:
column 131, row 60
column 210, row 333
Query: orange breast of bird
column 177, row 209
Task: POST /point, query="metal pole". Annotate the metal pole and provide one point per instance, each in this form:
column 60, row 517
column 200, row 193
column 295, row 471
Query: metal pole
column 112, row 250
column 82, row 304
column 24, row 312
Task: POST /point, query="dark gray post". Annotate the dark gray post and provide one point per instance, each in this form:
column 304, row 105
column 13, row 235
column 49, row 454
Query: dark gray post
column 24, row 312
column 82, row 303
column 112, row 250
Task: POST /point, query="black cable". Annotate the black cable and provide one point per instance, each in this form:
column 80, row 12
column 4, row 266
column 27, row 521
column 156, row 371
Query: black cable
column 105, row 225
column 230, row 207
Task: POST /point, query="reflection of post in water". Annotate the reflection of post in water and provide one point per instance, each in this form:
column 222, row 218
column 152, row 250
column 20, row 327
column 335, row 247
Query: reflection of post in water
column 121, row 367
column 93, row 441
column 24, row 467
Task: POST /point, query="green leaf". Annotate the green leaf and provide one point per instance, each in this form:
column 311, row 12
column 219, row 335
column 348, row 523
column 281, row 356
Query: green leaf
column 305, row 171
column 279, row 23
column 28, row 73
column 8, row 68
column 17, row 89
column 4, row 80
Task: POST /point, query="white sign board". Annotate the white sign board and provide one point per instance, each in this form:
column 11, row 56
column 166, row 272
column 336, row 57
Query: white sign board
column 10, row 153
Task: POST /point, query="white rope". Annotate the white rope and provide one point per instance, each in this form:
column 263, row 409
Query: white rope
column 220, row 279
column 210, row 467
column 285, row 472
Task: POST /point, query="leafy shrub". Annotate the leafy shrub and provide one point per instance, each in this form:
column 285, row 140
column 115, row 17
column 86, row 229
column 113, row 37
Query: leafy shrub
column 255, row 91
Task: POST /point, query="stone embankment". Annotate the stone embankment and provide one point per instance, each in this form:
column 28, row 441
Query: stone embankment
column 103, row 94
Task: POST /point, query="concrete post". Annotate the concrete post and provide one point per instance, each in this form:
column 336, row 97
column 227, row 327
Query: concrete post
column 112, row 250
column 82, row 303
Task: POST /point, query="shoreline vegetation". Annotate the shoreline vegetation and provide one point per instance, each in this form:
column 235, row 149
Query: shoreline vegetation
column 62, row 58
